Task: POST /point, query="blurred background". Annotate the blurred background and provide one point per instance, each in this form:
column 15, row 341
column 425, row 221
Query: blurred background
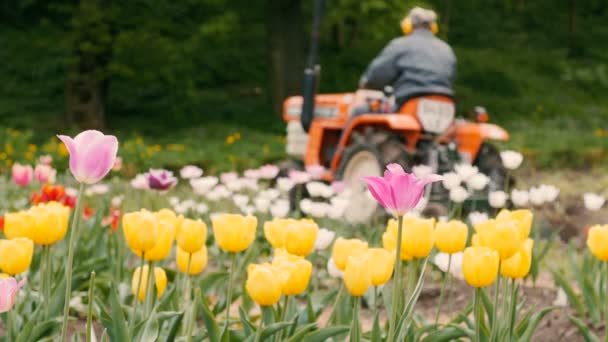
column 202, row 81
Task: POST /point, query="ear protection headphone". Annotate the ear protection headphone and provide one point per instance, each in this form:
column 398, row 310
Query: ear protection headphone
column 407, row 27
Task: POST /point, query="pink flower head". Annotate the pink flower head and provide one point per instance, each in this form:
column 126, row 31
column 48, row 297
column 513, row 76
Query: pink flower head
column 228, row 177
column 46, row 159
column 159, row 179
column 190, row 172
column 45, row 174
column 315, row 171
column 398, row 191
column 8, row 293
column 338, row 186
column 22, row 174
column 252, row 174
column 299, row 177
column 269, row 171
column 117, row 164
column 92, row 155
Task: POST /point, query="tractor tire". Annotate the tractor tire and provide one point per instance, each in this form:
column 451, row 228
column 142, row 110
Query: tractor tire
column 489, row 162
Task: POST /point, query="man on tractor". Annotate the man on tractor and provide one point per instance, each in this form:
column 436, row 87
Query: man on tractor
column 415, row 65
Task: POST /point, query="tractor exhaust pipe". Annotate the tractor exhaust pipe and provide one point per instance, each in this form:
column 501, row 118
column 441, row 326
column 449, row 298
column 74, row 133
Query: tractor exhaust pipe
column 311, row 73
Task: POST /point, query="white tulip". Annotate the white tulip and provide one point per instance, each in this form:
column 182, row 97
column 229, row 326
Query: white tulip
column 140, row 182
column 248, row 210
column 422, row 171
column 466, row 171
column 180, row 208
column 270, row 194
column 201, row 186
column 458, row 194
column 315, row 189
column 497, row 199
column 477, row 217
column 190, row 204
column 240, row 200
column 252, row 174
column 550, row 192
column 305, row 206
column 478, row 181
column 451, row 180
column 561, row 300
column 511, row 159
column 280, row 208
column 202, row 208
column 324, row 238
column 536, row 196
column 285, row 184
column 71, row 192
column 593, row 201
column 117, row 201
column 262, row 204
column 337, row 208
column 218, row 193
column 319, row 209
column 442, row 260
column 97, row 189
column 190, row 171
column 333, row 270
column 228, row 177
column 269, row 171
column 173, row 200
column 520, row 198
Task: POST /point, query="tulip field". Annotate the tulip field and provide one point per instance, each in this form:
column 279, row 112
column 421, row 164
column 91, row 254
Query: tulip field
column 266, row 254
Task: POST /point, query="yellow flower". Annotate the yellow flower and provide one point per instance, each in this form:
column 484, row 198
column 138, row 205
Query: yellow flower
column 300, row 237
column 169, row 215
column 475, row 242
column 418, row 236
column 234, row 233
column 275, row 231
column 519, row 264
column 160, row 280
column 343, row 248
column 197, row 263
column 50, row 222
column 451, row 237
column 263, row 284
column 597, row 241
column 294, row 271
column 162, row 247
column 192, row 235
column 18, row 224
column 4, row 276
column 503, row 236
column 140, row 230
column 389, row 239
column 16, row 255
column 382, row 263
column 358, row 274
column 480, row 266
column 523, row 219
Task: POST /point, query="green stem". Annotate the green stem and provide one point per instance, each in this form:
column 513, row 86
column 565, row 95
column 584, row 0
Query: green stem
column 332, row 313
column 354, row 329
column 149, row 294
column 45, row 276
column 375, row 300
column 10, row 325
column 90, row 306
column 449, row 294
column 285, row 306
column 495, row 316
column 512, row 308
column 396, row 282
column 229, row 294
column 606, row 305
column 187, row 295
column 192, row 317
column 478, row 316
column 70, row 261
column 443, row 287
column 258, row 333
column 136, row 295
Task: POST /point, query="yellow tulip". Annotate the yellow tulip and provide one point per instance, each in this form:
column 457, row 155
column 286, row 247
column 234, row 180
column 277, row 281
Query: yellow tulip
column 382, row 263
column 501, row 235
column 389, row 239
column 294, row 271
column 141, row 231
column 4, row 276
column 275, row 231
column 343, row 248
column 192, row 235
column 358, row 274
column 197, row 263
column 523, row 219
column 300, row 237
column 475, row 242
column 418, row 236
column 160, row 280
column 263, row 284
column 169, row 215
column 519, row 264
column 162, row 248
column 18, row 224
column 480, row 266
column 451, row 236
column 234, row 233
column 16, row 255
column 597, row 241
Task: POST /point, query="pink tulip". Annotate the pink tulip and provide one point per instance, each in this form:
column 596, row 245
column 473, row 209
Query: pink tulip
column 22, row 174
column 315, row 171
column 8, row 293
column 398, row 192
column 299, row 177
column 92, row 155
column 269, row 171
column 45, row 174
column 228, row 177
column 46, row 159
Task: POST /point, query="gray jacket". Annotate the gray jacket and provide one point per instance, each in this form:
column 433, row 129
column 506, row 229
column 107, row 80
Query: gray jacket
column 416, row 64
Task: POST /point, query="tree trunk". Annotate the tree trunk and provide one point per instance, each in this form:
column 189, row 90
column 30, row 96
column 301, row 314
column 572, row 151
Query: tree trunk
column 286, row 39
column 572, row 26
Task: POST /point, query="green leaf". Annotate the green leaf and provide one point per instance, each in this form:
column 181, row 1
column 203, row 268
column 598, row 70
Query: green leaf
column 247, row 325
column 584, row 330
column 151, row 328
column 534, row 321
column 562, row 282
column 324, row 334
column 274, row 328
column 449, row 333
column 376, row 334
column 213, row 329
column 116, row 324
column 211, row 280
column 174, row 325
column 404, row 322
column 301, row 332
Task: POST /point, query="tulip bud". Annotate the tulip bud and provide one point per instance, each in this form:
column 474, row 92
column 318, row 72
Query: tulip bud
column 198, row 260
column 22, row 174
column 300, row 237
column 50, row 222
column 480, row 266
column 192, row 235
column 294, row 271
column 343, row 248
column 16, row 255
column 263, row 284
column 162, row 247
column 451, row 237
column 358, row 274
column 418, row 236
column 597, row 241
column 519, row 264
column 382, row 262
column 503, row 236
column 140, row 230
column 18, row 224
column 160, row 280
column 234, row 233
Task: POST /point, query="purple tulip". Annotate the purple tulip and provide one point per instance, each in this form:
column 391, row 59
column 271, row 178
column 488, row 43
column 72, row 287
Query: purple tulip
column 92, row 155
column 398, row 191
column 8, row 293
column 159, row 179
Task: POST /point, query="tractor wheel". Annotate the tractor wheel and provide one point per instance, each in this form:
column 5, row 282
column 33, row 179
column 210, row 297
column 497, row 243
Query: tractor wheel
column 488, row 162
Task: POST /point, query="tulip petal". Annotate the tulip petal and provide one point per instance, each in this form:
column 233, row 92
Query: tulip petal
column 380, row 189
column 432, row 178
column 407, row 192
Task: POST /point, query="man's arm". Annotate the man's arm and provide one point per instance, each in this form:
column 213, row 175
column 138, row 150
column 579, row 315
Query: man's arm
column 383, row 69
